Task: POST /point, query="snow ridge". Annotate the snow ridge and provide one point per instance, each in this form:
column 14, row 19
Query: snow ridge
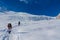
column 25, row 16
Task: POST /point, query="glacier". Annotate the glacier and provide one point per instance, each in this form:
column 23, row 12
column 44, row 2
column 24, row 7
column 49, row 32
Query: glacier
column 32, row 27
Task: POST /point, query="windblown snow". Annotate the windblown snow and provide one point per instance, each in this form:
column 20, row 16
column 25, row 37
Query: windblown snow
column 33, row 27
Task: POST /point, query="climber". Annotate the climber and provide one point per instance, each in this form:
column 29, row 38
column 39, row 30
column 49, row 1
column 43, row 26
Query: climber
column 9, row 26
column 19, row 23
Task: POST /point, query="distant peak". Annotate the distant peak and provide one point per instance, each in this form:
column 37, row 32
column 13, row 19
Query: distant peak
column 58, row 14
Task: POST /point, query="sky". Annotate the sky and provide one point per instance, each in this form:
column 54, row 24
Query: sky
column 37, row 7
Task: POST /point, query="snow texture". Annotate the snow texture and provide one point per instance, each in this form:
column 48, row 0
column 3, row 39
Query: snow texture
column 30, row 29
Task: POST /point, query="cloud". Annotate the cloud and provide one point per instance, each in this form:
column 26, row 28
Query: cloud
column 0, row 9
column 3, row 9
column 24, row 1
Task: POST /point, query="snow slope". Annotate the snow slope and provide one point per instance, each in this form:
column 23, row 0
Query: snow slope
column 47, row 28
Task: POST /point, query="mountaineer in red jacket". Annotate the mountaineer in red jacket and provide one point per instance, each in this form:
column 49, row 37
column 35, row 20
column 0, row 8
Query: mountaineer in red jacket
column 9, row 26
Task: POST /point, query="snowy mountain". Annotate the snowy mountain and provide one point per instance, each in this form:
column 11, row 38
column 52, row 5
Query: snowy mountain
column 32, row 27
